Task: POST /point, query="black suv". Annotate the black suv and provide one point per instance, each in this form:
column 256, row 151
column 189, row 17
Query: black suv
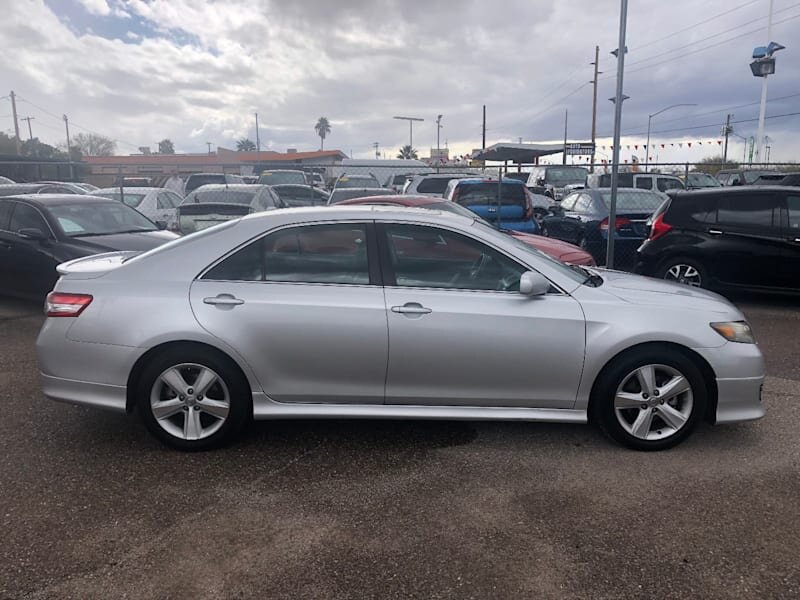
column 728, row 238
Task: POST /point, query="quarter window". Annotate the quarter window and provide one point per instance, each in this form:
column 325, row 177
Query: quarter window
column 793, row 204
column 435, row 258
column 310, row 254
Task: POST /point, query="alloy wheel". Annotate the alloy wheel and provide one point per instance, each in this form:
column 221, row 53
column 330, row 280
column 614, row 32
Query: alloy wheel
column 653, row 402
column 190, row 401
column 686, row 274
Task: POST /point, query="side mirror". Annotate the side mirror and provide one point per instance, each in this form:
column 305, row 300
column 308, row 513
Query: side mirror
column 31, row 233
column 161, row 224
column 532, row 283
column 540, row 181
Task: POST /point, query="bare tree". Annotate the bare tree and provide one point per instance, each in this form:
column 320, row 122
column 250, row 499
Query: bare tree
column 92, row 144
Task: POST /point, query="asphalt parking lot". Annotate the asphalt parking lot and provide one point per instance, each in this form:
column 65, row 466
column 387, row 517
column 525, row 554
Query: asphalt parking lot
column 93, row 507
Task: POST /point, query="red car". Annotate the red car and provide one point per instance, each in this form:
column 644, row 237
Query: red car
column 559, row 250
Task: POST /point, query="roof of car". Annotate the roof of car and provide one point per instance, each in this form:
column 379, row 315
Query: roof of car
column 731, row 189
column 505, row 180
column 443, row 175
column 232, row 187
column 282, row 171
column 130, row 189
column 56, row 199
column 397, row 200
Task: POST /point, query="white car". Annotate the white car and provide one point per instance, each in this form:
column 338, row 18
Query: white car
column 431, row 184
column 157, row 204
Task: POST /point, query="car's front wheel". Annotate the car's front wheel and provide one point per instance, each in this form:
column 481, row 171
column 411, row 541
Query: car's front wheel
column 192, row 398
column 649, row 399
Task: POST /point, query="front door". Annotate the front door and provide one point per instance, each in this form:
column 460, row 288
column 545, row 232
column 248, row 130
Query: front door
column 302, row 308
column 790, row 265
column 30, row 263
column 460, row 333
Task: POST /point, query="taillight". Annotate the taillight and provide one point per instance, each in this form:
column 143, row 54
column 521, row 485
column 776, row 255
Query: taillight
column 659, row 227
column 455, row 194
column 618, row 222
column 528, row 206
column 60, row 304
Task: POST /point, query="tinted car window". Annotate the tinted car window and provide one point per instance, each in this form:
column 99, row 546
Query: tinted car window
column 793, row 204
column 224, row 196
column 583, row 203
column 310, row 254
column 633, row 201
column 477, row 194
column 435, row 258
column 751, row 211
column 99, row 218
column 24, row 216
column 666, row 183
column 684, row 211
column 433, row 185
column 644, row 183
column 282, row 177
column 5, row 213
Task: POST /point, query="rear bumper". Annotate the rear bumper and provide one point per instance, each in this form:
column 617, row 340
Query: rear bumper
column 100, row 395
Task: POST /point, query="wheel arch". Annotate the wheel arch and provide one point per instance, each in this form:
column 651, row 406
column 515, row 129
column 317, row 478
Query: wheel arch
column 709, row 377
column 141, row 362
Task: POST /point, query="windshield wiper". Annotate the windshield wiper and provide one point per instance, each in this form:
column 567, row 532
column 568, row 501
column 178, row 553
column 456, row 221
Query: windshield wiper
column 592, row 279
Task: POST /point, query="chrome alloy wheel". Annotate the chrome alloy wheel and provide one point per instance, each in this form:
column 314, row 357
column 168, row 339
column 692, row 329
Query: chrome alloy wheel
column 190, row 401
column 653, row 402
column 686, row 274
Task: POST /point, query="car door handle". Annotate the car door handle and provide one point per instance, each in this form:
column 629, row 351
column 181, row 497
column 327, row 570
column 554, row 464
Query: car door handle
column 411, row 308
column 797, row 240
column 223, row 300
column 714, row 232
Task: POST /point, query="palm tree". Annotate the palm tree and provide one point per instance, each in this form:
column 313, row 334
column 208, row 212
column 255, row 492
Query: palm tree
column 407, row 152
column 245, row 145
column 323, row 128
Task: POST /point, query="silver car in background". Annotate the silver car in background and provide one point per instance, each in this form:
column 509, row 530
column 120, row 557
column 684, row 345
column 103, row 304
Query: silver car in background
column 157, row 204
column 384, row 312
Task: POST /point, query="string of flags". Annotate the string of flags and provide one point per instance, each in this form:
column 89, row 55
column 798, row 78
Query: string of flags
column 664, row 145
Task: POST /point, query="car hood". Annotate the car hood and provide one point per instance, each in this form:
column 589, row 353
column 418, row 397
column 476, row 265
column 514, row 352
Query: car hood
column 638, row 289
column 563, row 251
column 144, row 240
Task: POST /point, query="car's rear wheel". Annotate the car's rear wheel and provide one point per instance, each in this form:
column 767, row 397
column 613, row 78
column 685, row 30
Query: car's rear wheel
column 683, row 270
column 192, row 398
column 649, row 399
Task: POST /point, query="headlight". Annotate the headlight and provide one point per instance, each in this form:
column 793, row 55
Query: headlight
column 735, row 331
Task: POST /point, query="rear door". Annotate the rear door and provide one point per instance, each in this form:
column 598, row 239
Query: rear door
column 750, row 240
column 304, row 306
column 790, row 268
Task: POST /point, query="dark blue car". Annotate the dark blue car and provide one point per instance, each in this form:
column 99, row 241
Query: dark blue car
column 506, row 204
column 582, row 219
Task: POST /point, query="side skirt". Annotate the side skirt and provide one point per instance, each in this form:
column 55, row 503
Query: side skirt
column 264, row 408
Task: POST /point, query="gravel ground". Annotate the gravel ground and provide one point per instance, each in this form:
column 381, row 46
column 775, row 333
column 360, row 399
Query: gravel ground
column 92, row 507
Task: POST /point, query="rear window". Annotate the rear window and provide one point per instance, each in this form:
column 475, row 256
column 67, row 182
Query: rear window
column 433, row 185
column 476, row 194
column 633, row 201
column 223, row 196
column 279, row 178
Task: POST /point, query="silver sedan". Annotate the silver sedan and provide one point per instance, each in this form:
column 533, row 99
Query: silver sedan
column 383, row 312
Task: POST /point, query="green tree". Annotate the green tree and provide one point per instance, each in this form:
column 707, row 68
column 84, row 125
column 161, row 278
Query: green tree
column 93, row 144
column 407, row 152
column 323, row 128
column 7, row 145
column 245, row 145
column 38, row 149
column 165, row 146
column 714, row 164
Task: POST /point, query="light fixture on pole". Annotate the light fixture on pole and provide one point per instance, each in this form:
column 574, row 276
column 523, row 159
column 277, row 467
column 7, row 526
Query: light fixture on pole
column 410, row 128
column 649, row 118
column 762, row 66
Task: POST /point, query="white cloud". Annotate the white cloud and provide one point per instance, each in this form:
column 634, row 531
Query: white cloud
column 96, row 7
column 359, row 62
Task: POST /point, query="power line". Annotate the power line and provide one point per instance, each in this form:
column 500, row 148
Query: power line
column 712, row 18
column 690, row 128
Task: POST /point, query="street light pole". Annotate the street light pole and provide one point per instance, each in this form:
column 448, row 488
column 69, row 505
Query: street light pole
column 649, row 118
column 762, row 111
column 410, row 128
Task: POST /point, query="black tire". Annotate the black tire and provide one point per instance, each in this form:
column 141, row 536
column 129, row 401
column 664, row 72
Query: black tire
column 545, row 231
column 229, row 382
column 665, row 270
column 692, row 406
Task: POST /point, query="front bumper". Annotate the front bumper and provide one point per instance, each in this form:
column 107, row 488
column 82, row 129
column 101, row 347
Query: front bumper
column 739, row 370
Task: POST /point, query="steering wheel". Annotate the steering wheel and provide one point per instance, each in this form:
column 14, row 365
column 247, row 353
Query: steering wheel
column 478, row 266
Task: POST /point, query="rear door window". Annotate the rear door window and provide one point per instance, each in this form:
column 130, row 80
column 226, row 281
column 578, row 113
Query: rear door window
column 792, row 204
column 481, row 194
column 756, row 212
column 644, row 183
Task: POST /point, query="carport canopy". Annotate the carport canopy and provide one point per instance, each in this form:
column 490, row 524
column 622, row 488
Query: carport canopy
column 518, row 153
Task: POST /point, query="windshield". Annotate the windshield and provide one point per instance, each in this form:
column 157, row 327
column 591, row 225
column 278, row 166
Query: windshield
column 222, row 196
column 703, row 179
column 282, row 177
column 357, row 182
column 99, row 218
column 634, row 201
column 133, row 200
column 563, row 269
column 566, row 175
column 475, row 194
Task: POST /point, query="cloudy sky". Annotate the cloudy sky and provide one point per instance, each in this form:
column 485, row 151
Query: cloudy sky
column 195, row 71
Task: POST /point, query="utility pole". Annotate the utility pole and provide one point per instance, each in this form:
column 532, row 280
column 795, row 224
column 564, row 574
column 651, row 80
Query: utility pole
column 763, row 109
column 726, row 132
column 16, row 123
column 258, row 138
column 30, row 131
column 596, row 64
column 618, row 99
column 483, row 137
column 564, row 155
column 377, row 151
column 69, row 152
